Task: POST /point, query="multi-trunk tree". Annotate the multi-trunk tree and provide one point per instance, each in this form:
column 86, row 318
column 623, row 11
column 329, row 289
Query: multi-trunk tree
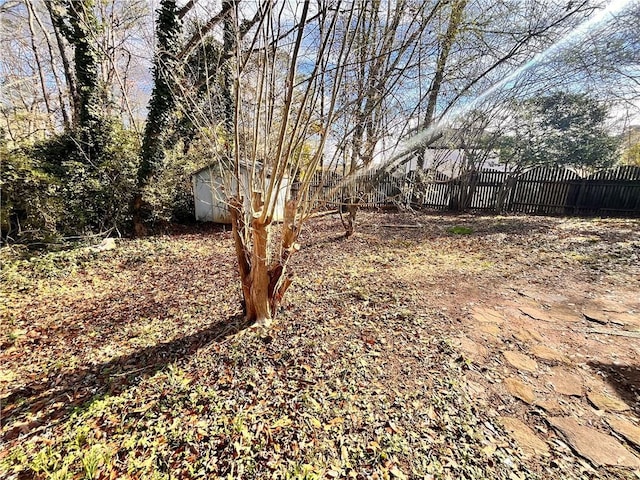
column 271, row 126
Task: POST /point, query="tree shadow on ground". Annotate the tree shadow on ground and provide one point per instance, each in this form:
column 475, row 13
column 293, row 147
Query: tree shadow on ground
column 416, row 227
column 55, row 398
column 189, row 228
column 481, row 223
column 624, row 379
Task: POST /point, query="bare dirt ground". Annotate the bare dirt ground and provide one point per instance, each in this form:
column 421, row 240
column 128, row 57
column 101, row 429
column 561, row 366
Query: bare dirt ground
column 426, row 346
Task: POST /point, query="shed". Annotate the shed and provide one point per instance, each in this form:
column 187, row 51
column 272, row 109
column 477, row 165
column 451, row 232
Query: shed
column 213, row 185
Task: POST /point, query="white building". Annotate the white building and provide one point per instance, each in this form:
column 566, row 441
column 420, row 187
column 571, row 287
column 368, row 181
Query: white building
column 450, row 161
column 214, row 185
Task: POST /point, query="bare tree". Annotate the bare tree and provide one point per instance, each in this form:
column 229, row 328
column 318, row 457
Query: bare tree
column 380, row 68
column 479, row 45
column 277, row 72
column 263, row 270
column 39, row 55
column 415, row 62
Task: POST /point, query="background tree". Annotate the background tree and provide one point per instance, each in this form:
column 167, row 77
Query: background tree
column 562, row 129
column 387, row 43
column 464, row 50
column 477, row 44
column 85, row 155
column 604, row 62
column 162, row 103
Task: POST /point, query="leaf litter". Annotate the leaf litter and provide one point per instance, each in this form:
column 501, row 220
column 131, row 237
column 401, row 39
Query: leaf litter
column 136, row 363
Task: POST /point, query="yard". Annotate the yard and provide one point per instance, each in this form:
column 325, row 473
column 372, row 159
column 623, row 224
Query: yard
column 425, row 346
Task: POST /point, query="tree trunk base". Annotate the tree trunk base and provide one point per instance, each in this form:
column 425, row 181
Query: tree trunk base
column 139, row 228
column 263, row 284
column 349, row 221
column 262, row 323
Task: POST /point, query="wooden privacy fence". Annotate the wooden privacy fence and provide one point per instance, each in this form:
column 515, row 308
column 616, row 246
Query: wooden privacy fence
column 542, row 190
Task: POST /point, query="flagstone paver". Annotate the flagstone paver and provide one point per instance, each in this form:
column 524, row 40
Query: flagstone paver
column 527, row 335
column 487, row 315
column 565, row 315
column 547, row 367
column 520, row 361
column 473, row 350
column 490, row 329
column 549, row 354
column 597, row 316
column 595, row 446
column 551, row 405
column 519, row 390
column 607, row 403
column 565, row 382
column 625, row 429
column 530, row 443
column 537, row 314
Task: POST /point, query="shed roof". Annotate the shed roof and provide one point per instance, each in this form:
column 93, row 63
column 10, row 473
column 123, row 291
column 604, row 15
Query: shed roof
column 244, row 165
column 216, row 164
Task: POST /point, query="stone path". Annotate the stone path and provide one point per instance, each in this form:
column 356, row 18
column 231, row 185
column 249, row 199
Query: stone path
column 599, row 448
column 549, row 380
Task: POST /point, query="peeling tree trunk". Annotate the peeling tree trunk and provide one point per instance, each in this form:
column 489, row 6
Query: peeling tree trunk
column 244, row 267
column 258, row 301
column 263, row 285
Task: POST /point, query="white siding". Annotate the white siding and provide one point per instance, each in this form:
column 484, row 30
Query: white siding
column 280, row 199
column 209, row 196
column 211, row 190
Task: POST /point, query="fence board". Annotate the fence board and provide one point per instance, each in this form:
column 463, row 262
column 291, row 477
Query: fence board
column 542, row 190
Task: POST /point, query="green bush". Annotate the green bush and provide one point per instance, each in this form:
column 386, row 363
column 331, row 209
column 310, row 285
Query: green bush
column 76, row 184
column 96, row 181
column 64, row 186
column 168, row 195
column 29, row 203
